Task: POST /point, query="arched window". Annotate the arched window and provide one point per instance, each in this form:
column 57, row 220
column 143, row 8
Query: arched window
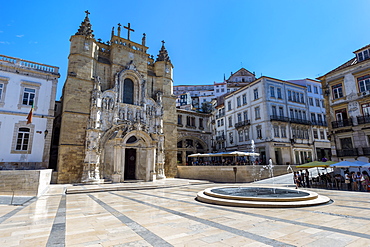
column 128, row 91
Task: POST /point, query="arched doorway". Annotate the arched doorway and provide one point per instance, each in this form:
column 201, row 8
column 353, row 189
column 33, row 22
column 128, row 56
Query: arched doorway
column 129, row 156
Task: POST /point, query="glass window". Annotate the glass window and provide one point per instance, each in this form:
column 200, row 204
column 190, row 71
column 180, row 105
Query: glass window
column 278, row 90
column 276, row 131
column 315, row 135
column 257, row 112
column 246, row 134
column 238, row 102
column 255, row 92
column 229, row 105
column 222, row 122
column 337, row 91
column 317, row 101
column 313, row 117
column 291, row 113
column 1, row 90
column 28, row 96
column 230, row 122
column 364, row 83
column 259, row 132
column 310, row 101
column 218, row 123
column 309, row 88
column 23, row 139
column 322, row 135
column 244, row 96
column 128, row 91
column 239, row 117
column 241, row 135
column 281, row 111
column 302, row 97
column 201, row 123
column 245, row 113
column 366, row 109
column 322, row 104
column 315, row 90
column 272, row 92
column 319, row 118
column 289, row 95
column 179, row 119
column 273, row 108
column 283, row 131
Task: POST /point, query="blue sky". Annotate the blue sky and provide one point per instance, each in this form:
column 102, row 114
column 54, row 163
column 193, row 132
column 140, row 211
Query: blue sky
column 284, row 39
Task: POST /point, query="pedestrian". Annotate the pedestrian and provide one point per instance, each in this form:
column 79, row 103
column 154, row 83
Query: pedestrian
column 302, row 183
column 296, row 180
column 347, row 181
column 307, row 177
column 354, row 181
column 358, row 181
column 365, row 181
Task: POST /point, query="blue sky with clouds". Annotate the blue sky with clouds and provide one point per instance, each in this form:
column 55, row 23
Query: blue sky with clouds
column 285, row 39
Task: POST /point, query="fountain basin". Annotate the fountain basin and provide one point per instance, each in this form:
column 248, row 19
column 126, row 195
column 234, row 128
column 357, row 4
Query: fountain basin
column 260, row 197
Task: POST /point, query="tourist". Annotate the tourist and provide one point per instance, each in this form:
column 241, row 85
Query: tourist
column 338, row 181
column 347, row 180
column 354, row 181
column 301, row 178
column 307, row 177
column 365, row 181
column 358, row 181
column 296, row 180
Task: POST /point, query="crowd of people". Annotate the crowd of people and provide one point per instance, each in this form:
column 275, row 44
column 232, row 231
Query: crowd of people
column 351, row 181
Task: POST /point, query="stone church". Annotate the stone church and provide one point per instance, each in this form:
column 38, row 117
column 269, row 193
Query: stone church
column 118, row 119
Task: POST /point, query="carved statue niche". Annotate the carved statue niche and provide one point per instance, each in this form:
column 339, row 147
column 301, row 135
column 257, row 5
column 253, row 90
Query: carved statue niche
column 159, row 97
column 122, row 114
column 129, row 114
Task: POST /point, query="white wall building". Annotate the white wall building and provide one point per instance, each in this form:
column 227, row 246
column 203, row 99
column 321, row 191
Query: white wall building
column 23, row 84
column 317, row 117
column 273, row 113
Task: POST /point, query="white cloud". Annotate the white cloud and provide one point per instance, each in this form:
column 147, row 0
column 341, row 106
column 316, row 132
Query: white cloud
column 19, row 35
column 5, row 42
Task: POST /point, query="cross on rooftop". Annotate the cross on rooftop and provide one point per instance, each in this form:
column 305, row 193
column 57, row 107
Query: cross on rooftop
column 128, row 30
column 87, row 12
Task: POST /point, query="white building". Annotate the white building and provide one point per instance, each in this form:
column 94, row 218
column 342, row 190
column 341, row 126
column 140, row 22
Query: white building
column 317, row 117
column 273, row 113
column 23, row 84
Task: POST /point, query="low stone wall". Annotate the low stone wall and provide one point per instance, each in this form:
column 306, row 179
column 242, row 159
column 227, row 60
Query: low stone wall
column 24, row 182
column 226, row 174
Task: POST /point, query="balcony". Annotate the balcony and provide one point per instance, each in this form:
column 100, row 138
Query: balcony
column 299, row 121
column 319, row 123
column 347, row 152
column 279, row 118
column 363, row 119
column 242, row 124
column 365, row 150
column 220, row 138
column 343, row 123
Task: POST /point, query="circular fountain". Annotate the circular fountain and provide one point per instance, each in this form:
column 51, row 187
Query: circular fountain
column 260, row 197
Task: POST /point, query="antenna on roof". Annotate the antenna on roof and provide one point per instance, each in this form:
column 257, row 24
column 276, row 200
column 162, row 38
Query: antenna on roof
column 224, row 77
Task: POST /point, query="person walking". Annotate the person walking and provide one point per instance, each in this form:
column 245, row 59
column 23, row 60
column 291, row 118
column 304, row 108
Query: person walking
column 365, row 181
column 307, row 177
column 347, row 181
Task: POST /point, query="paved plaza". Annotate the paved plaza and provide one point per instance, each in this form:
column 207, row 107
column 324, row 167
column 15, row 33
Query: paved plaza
column 165, row 213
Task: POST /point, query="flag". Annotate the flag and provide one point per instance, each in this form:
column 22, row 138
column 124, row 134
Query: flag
column 29, row 117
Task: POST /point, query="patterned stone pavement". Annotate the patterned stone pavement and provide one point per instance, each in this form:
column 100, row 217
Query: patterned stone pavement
column 169, row 215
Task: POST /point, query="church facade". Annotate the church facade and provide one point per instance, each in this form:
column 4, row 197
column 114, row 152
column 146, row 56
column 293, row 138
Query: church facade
column 118, row 119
